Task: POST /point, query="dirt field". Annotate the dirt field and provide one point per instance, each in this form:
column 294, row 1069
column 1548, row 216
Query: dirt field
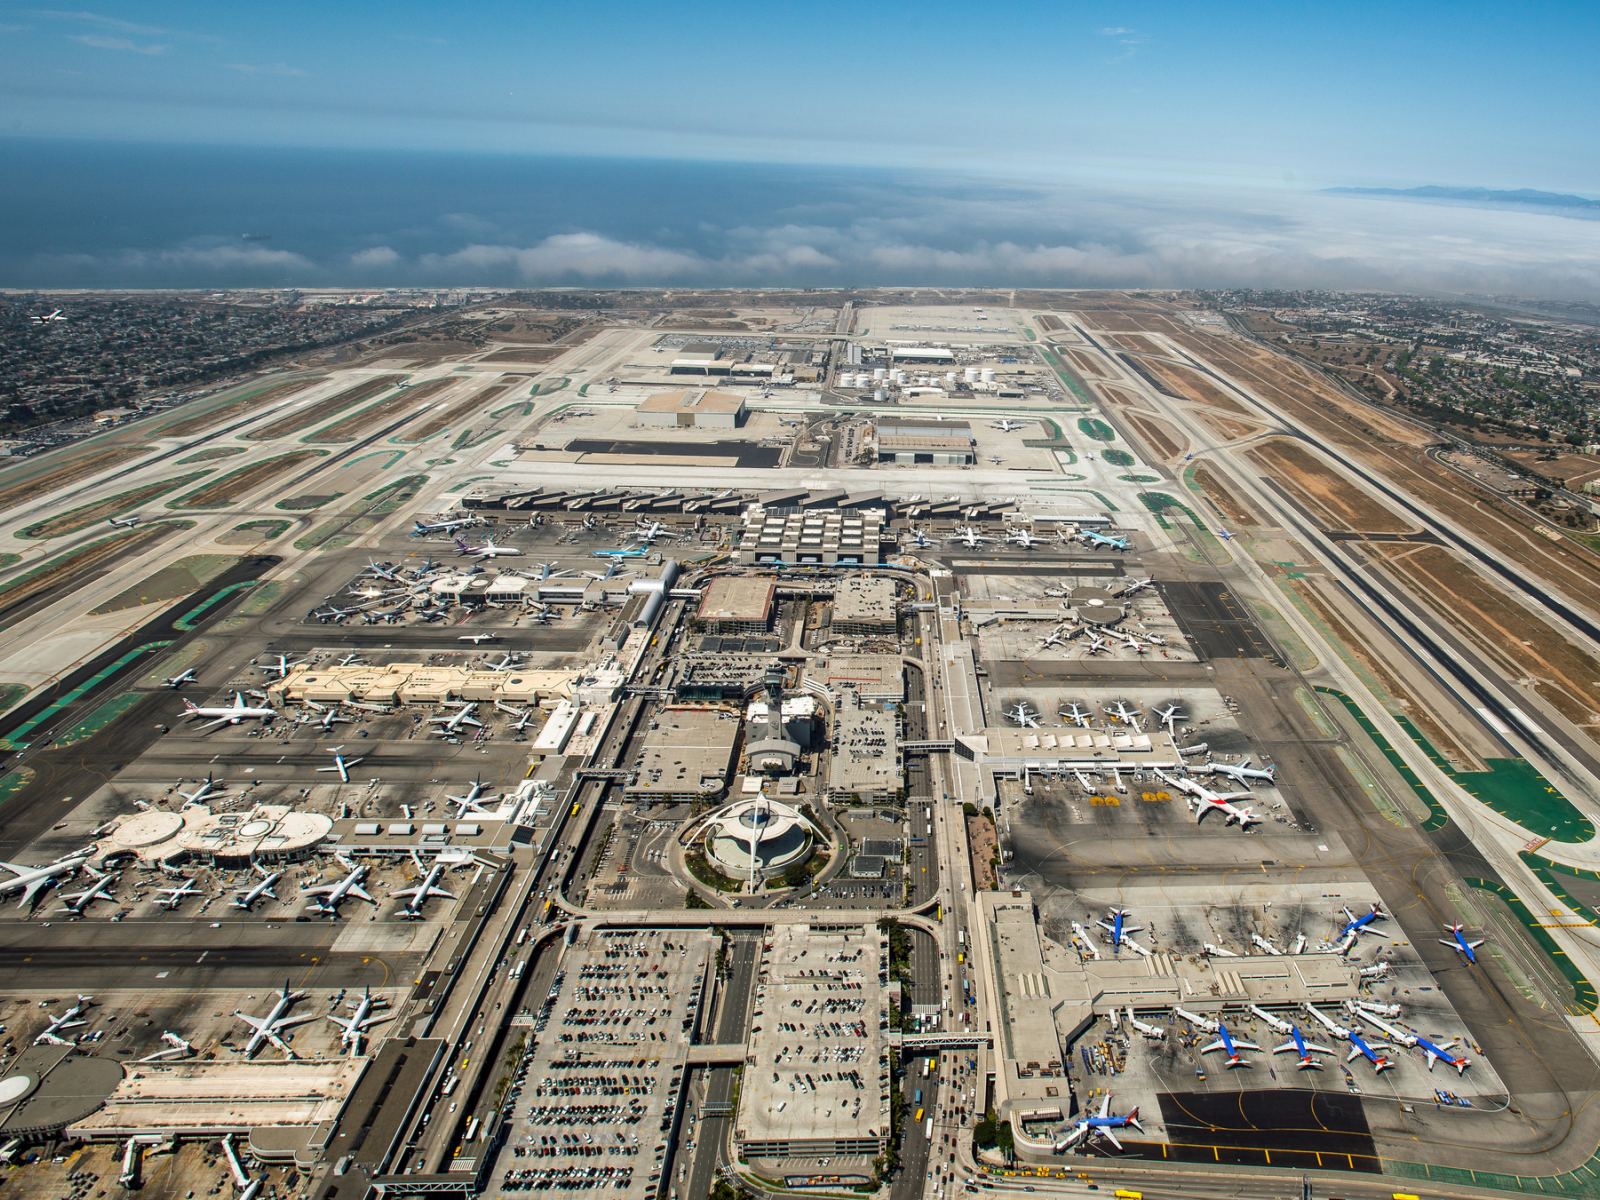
column 100, row 510
column 1574, row 470
column 223, row 491
column 1160, row 436
column 1051, row 324
column 348, row 429
column 1561, row 672
column 525, row 354
column 1083, row 364
column 235, row 409
column 78, row 466
column 1224, row 499
column 70, row 569
column 321, row 410
column 981, row 844
column 1325, row 492
column 1226, row 428
column 1191, row 385
column 443, row 418
column 1364, row 646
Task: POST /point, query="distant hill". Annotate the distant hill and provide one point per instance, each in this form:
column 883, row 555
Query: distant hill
column 1527, row 197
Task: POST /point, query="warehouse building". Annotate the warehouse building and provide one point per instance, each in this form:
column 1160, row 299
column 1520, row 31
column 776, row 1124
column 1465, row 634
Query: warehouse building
column 920, row 440
column 737, row 604
column 864, row 606
column 691, row 408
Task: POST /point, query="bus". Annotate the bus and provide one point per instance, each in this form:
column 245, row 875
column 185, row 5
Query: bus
column 1126, row 1194
column 918, row 1117
column 516, row 971
column 472, row 1130
column 918, row 1100
column 927, row 1131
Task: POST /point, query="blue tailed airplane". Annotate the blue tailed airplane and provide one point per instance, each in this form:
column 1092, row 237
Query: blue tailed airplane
column 1100, row 1125
column 1469, row 950
column 1226, row 1043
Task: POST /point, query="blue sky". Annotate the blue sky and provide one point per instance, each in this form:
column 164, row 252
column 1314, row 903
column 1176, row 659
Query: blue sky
column 1284, row 94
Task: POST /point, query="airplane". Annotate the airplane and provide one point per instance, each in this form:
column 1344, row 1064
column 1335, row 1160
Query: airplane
column 281, row 667
column 1203, row 800
column 123, row 522
column 231, row 714
column 477, row 639
column 451, row 726
column 1095, row 645
column 384, row 571
column 31, row 880
column 1007, row 425
column 423, row 528
column 1134, row 586
column 270, row 1028
column 508, row 663
column 209, row 787
column 327, row 898
column 174, row 896
column 366, row 1015
column 1023, row 715
column 921, row 540
column 78, row 903
column 67, row 1020
column 1057, row 637
column 331, row 717
column 1077, row 714
column 1262, row 944
column 1119, row 929
column 1023, row 538
column 470, row 801
column 1124, row 714
column 1129, row 641
column 1436, row 1053
column 1358, row 1045
column 246, row 898
column 419, row 895
column 178, row 680
column 648, row 531
column 1225, row 534
column 1094, row 539
column 1240, row 772
column 177, row 1047
column 47, row 318
column 1101, row 1124
column 1303, row 1050
column 341, row 764
column 1231, row 1046
column 1457, row 942
column 970, row 537
column 523, row 721
column 1169, row 716
column 487, row 550
column 1355, row 926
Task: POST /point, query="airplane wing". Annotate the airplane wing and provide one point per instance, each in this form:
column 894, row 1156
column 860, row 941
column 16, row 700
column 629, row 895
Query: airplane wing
column 259, row 1024
column 14, row 868
column 360, row 893
column 1320, row 1049
column 1105, row 1105
column 1216, row 1045
column 1110, row 1136
column 31, row 891
column 1289, row 1045
column 322, row 890
column 1238, row 1045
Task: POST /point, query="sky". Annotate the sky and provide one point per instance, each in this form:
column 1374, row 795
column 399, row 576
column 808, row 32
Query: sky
column 1289, row 93
column 1074, row 143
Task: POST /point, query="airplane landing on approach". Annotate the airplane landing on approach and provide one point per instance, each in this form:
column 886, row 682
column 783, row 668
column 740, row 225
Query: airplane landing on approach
column 47, row 318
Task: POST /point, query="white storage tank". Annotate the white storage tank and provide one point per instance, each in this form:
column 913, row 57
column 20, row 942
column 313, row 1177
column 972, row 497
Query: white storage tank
column 970, row 375
column 879, row 374
column 987, row 375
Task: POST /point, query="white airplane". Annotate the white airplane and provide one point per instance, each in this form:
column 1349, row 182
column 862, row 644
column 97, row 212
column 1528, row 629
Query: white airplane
column 328, row 718
column 1129, row 641
column 246, row 898
column 231, row 714
column 1134, row 586
column 613, row 569
column 452, row 725
column 1356, row 926
column 177, row 1047
column 418, row 896
column 1240, row 772
column 341, row 764
column 30, row 881
column 921, row 540
column 1007, row 425
column 1127, row 716
column 423, row 528
column 46, row 318
column 523, row 720
column 1022, row 714
column 1231, row 1046
column 1265, row 946
column 123, row 522
column 1095, row 645
column 508, row 663
column 472, row 800
column 384, row 571
column 366, row 1015
column 174, row 896
column 271, row 1028
column 478, row 639
column 487, row 550
column 68, row 1020
column 1077, row 714
column 648, row 531
column 1059, row 636
column 178, row 680
column 1102, row 1124
column 1023, row 538
column 77, row 903
column 1457, row 941
column 1203, row 800
column 327, row 898
column 970, row 537
column 1169, row 716
column 1212, row 950
column 281, row 667
column 208, row 787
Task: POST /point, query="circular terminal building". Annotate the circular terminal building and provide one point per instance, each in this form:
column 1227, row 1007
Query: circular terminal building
column 47, row 1088
column 756, row 838
column 265, row 833
column 1096, row 605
